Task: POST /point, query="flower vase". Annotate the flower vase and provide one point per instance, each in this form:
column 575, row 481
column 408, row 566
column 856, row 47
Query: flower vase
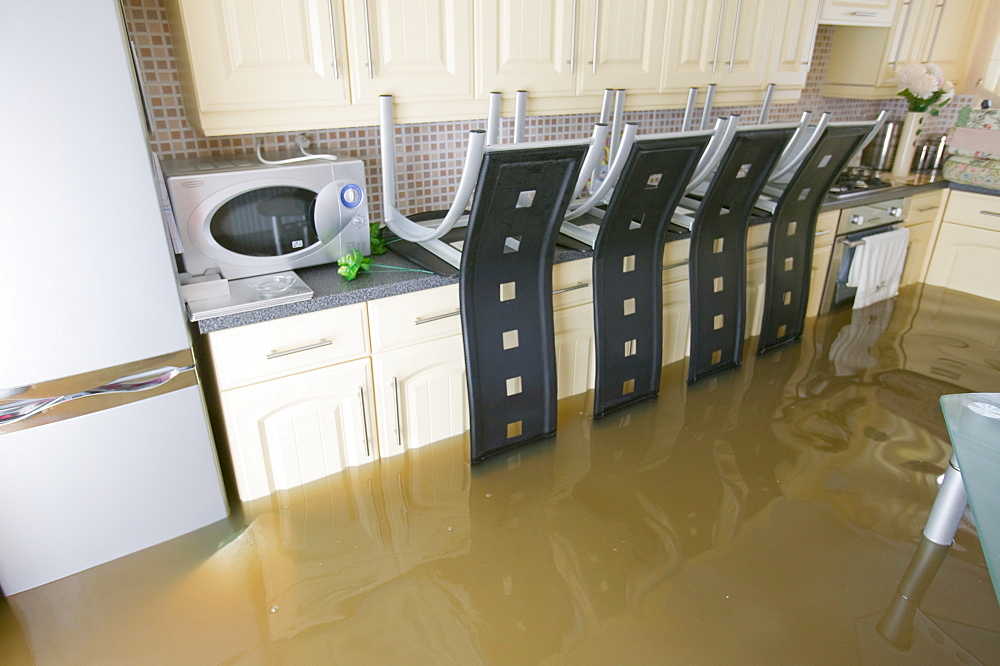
column 907, row 146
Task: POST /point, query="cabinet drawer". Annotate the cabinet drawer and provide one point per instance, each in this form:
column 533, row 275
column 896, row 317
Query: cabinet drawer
column 923, row 207
column 676, row 256
column 409, row 319
column 974, row 210
column 571, row 284
column 863, row 12
column 826, row 228
column 757, row 237
column 257, row 352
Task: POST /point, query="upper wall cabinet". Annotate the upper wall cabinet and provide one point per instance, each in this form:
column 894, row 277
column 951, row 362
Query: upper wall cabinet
column 560, row 49
column 864, row 61
column 251, row 67
column 274, row 65
column 719, row 41
column 792, row 48
column 859, row 12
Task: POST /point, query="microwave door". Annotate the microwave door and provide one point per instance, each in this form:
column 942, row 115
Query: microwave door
column 331, row 217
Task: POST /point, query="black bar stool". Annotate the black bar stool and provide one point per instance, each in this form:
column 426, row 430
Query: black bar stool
column 506, row 293
column 627, row 274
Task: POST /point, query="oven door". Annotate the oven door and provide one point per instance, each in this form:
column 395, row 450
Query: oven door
column 836, row 293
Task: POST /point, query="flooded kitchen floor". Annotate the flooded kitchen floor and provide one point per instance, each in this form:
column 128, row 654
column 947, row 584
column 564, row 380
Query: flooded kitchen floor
column 762, row 515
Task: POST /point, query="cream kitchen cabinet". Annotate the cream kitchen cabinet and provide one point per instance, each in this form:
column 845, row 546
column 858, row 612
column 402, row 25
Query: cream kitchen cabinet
column 921, row 216
column 859, row 12
column 792, row 48
column 720, row 42
column 756, row 276
column 418, row 363
column 676, row 331
column 967, row 250
column 826, row 229
column 296, row 398
column 565, row 53
column 864, row 61
column 280, row 65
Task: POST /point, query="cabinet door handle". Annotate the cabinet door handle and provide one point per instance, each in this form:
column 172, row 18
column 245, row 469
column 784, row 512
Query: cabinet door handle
column 989, row 212
column 736, row 32
column 677, row 265
column 364, row 420
column 924, row 210
column 718, row 36
column 335, row 63
column 937, row 28
column 368, row 41
column 578, row 285
column 418, row 321
column 597, row 22
column 902, row 35
column 399, row 422
column 864, row 14
column 316, row 345
column 572, row 39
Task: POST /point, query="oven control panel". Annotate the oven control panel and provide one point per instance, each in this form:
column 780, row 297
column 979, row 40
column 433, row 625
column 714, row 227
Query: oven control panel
column 867, row 217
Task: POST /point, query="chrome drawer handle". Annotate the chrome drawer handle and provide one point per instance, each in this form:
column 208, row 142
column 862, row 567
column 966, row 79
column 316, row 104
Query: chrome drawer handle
column 418, row 321
column 578, row 285
column 317, row 345
column 924, row 210
column 864, row 14
column 677, row 265
column 822, row 233
column 989, row 212
column 756, row 247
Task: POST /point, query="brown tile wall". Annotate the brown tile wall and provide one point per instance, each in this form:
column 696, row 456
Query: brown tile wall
column 430, row 164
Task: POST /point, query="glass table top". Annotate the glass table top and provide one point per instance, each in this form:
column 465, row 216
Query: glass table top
column 973, row 421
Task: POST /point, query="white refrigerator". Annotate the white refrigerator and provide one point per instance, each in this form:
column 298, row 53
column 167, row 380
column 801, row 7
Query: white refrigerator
column 105, row 447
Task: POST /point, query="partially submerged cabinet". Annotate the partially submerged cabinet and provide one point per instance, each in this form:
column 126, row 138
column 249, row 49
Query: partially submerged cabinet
column 967, row 250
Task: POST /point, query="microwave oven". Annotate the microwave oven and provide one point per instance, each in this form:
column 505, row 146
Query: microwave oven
column 244, row 218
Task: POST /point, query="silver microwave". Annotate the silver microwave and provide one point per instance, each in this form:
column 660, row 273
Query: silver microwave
column 245, row 218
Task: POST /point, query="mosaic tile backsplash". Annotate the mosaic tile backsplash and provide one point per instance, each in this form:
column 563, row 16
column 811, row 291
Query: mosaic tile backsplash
column 430, row 164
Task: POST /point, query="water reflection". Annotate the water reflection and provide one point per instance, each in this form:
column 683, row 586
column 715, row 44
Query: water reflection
column 761, row 515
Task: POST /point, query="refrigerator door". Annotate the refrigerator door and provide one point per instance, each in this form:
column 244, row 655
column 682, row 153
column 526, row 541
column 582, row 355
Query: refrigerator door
column 86, row 276
column 86, row 490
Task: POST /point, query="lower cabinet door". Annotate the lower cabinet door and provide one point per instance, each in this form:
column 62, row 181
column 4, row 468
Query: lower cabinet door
column 817, row 278
column 420, row 395
column 287, row 432
column 916, row 253
column 576, row 367
column 756, row 286
column 964, row 259
column 676, row 321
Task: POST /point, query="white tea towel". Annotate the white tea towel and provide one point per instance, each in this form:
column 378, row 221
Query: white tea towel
column 877, row 266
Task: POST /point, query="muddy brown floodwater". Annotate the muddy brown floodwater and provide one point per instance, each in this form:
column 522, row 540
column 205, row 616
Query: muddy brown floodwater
column 762, row 515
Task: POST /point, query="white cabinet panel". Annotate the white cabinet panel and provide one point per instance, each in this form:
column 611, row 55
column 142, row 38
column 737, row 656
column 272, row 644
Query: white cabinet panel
column 575, row 355
column 624, row 49
column 964, row 259
column 676, row 321
column 421, row 395
column 419, row 50
column 290, row 431
column 792, row 48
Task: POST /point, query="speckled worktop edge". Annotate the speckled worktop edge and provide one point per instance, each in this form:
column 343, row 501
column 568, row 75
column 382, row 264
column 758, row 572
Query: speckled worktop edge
column 331, row 291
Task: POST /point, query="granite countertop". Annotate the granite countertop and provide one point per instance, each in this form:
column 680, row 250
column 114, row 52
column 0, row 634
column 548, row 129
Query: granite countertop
column 330, row 290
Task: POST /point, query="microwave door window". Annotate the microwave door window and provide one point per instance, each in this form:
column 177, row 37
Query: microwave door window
column 268, row 222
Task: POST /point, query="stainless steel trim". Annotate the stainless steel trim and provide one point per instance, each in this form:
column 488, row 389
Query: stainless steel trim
column 578, row 285
column 572, row 39
column 718, row 39
column 736, row 32
column 399, row 422
column 364, row 419
column 335, row 63
column 937, row 29
column 597, row 22
column 902, row 35
column 35, row 405
column 315, row 345
column 368, row 42
column 418, row 321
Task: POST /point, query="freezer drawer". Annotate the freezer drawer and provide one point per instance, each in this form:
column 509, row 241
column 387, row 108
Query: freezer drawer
column 83, row 491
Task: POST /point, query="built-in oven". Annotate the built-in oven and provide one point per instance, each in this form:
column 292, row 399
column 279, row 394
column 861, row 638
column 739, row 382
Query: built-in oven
column 855, row 224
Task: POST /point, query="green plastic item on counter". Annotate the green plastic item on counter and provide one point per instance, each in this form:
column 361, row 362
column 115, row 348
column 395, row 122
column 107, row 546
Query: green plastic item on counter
column 351, row 263
column 377, row 243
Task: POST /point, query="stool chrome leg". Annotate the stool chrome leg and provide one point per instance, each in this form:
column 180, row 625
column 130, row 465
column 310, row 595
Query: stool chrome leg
column 942, row 523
